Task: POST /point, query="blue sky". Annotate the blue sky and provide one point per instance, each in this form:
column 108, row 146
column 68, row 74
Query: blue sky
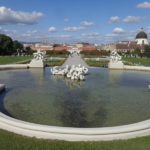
column 70, row 21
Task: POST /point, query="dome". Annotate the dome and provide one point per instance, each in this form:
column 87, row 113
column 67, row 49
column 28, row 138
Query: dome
column 141, row 35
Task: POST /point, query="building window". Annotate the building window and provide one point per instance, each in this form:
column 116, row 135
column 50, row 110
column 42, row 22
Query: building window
column 143, row 42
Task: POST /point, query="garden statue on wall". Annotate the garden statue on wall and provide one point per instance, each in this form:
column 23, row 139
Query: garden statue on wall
column 38, row 60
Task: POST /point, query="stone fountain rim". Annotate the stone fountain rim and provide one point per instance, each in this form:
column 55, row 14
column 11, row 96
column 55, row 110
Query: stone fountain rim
column 74, row 134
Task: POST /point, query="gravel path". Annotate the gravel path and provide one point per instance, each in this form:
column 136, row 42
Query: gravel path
column 75, row 59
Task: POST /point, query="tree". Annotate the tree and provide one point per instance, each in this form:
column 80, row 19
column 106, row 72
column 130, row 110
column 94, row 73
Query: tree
column 28, row 50
column 137, row 51
column 17, row 46
column 147, row 51
column 6, row 45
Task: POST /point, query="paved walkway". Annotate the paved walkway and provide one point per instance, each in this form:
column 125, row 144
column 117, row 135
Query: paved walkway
column 75, row 59
column 14, row 66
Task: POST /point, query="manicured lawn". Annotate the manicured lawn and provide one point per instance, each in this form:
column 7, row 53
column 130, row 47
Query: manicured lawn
column 14, row 59
column 59, row 55
column 10, row 141
column 26, row 59
column 91, row 56
column 137, row 61
column 127, row 61
column 94, row 63
column 51, row 63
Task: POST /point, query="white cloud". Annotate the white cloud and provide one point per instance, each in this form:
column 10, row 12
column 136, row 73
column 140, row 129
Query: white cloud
column 91, row 35
column 87, row 23
column 118, row 30
column 52, row 29
column 63, row 36
column 132, row 19
column 26, row 35
column 32, row 32
column 73, row 29
column 111, row 35
column 144, row 5
column 83, row 25
column 9, row 16
column 7, row 32
column 114, row 19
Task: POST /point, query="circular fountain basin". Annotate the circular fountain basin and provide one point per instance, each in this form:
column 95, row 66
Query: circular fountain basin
column 107, row 98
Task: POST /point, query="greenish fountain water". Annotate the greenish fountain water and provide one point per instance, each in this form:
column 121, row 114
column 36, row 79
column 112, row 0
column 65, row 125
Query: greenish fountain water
column 106, row 98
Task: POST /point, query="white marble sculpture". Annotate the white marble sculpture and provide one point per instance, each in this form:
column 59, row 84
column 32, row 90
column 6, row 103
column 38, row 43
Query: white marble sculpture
column 38, row 60
column 74, row 51
column 115, row 61
column 73, row 72
column 39, row 55
column 114, row 56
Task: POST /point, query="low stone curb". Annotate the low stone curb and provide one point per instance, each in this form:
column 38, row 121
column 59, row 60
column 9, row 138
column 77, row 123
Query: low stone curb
column 2, row 87
column 74, row 134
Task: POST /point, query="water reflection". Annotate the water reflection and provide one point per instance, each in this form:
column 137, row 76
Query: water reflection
column 37, row 75
column 68, row 82
column 115, row 75
column 77, row 109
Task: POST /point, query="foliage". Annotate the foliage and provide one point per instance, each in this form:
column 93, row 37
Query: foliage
column 54, row 52
column 17, row 46
column 147, row 51
column 28, row 50
column 6, row 45
column 96, row 53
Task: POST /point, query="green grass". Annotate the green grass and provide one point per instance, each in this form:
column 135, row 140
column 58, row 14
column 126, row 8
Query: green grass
column 14, row 59
column 51, row 63
column 94, row 63
column 127, row 61
column 137, row 61
column 91, row 56
column 26, row 59
column 10, row 141
column 58, row 55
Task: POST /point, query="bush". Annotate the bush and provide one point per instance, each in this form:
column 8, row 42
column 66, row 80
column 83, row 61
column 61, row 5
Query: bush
column 96, row 52
column 60, row 52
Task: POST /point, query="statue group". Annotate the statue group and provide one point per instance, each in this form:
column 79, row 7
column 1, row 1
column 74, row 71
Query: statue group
column 115, row 61
column 114, row 56
column 38, row 60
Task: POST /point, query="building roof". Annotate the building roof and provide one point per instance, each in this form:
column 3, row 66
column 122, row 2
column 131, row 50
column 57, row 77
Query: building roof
column 141, row 35
column 89, row 48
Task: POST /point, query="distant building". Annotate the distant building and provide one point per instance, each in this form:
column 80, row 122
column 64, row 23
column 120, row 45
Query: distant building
column 88, row 48
column 125, row 46
column 142, row 38
column 79, row 45
column 107, row 47
column 41, row 47
column 60, row 48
